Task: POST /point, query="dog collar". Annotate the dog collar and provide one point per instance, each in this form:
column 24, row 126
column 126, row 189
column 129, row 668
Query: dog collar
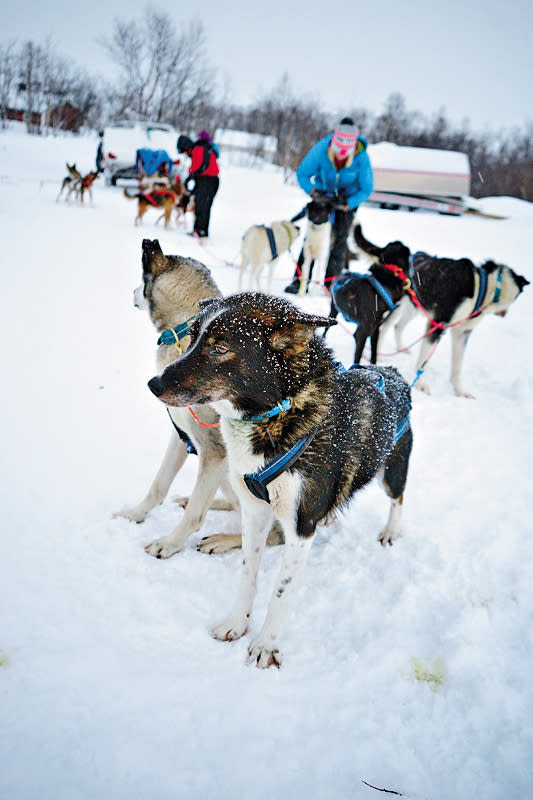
column 283, row 405
column 175, row 334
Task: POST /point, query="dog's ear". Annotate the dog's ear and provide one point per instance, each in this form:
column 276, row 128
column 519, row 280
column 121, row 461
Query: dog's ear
column 205, row 303
column 152, row 257
column 295, row 334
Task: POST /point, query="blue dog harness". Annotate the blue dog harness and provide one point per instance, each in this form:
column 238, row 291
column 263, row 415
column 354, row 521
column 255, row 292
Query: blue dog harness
column 258, row 481
column 376, row 285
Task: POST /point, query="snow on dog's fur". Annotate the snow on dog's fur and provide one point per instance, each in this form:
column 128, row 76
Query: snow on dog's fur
column 256, row 251
column 249, row 353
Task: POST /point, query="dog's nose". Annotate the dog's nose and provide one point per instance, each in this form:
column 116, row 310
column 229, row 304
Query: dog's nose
column 156, row 386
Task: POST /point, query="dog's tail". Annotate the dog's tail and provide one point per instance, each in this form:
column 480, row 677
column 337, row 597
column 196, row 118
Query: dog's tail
column 131, row 196
column 364, row 244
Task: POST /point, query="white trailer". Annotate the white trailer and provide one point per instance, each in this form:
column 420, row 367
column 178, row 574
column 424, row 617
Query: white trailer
column 419, row 178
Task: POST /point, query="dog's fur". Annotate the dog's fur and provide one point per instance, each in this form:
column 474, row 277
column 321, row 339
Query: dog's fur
column 316, row 243
column 356, row 299
column 85, row 185
column 447, row 288
column 69, row 182
column 160, row 196
column 171, row 290
column 247, row 353
column 256, row 250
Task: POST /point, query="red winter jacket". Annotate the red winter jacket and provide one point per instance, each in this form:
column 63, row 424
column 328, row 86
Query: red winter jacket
column 197, row 157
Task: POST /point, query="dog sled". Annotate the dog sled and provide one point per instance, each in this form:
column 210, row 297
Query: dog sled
column 419, row 178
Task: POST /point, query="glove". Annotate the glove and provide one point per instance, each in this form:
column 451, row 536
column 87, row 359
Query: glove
column 320, row 197
column 190, row 184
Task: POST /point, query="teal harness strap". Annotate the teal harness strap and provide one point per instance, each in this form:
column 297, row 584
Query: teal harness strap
column 179, row 332
column 283, row 405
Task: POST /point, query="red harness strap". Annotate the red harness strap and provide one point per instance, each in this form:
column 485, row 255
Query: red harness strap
column 398, row 271
column 156, row 193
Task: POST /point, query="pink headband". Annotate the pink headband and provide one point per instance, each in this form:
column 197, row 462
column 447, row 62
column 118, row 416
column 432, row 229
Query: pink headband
column 344, row 142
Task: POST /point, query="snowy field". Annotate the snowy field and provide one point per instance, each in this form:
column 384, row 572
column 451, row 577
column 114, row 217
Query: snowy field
column 408, row 668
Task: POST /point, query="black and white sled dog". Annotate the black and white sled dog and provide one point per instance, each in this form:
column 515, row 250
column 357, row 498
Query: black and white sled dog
column 171, row 290
column 263, row 245
column 455, row 294
column 302, row 435
column 368, row 299
column 316, row 243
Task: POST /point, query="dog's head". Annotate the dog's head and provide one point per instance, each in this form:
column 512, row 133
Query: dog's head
column 247, row 351
column 318, row 213
column 511, row 284
column 395, row 253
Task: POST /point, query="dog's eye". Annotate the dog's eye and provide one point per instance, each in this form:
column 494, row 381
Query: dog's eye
column 220, row 350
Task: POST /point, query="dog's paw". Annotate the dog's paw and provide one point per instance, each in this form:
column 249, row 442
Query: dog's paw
column 220, row 543
column 181, row 501
column 135, row 514
column 263, row 657
column 387, row 537
column 230, row 629
column 422, row 387
column 461, row 393
column 162, row 548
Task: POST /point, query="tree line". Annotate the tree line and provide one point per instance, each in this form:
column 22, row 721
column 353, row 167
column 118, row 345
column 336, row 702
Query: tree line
column 163, row 74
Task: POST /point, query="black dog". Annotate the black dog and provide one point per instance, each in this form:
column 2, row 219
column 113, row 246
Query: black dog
column 368, row 299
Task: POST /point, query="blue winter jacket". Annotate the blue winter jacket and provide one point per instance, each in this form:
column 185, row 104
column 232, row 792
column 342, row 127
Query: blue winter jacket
column 355, row 181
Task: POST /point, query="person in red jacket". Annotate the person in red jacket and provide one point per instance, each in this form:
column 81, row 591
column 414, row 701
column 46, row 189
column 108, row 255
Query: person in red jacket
column 204, row 173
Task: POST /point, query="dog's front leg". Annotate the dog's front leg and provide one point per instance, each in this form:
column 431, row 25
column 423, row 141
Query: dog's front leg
column 264, row 651
column 210, row 473
column 256, row 522
column 173, row 460
column 459, row 342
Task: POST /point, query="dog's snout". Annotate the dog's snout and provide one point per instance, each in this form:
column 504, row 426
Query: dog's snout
column 156, row 385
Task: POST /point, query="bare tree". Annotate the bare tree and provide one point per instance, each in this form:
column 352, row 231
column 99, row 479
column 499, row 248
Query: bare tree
column 8, row 75
column 162, row 75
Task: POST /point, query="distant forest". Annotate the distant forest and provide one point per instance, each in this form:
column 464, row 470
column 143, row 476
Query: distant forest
column 163, row 74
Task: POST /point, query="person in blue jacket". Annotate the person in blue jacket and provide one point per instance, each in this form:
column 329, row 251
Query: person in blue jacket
column 337, row 169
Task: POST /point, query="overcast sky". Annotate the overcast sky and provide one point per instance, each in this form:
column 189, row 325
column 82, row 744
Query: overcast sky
column 473, row 59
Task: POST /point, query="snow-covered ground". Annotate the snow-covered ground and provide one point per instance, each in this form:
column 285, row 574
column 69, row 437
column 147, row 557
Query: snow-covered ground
column 110, row 685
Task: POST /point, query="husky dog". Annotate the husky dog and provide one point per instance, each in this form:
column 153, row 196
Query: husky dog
column 70, row 182
column 454, row 293
column 285, row 402
column 263, row 245
column 369, row 299
column 316, row 243
column 171, row 289
column 163, row 197
column 85, row 186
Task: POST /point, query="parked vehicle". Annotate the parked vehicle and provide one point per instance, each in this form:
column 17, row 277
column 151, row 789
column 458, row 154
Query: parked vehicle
column 123, row 139
column 419, row 178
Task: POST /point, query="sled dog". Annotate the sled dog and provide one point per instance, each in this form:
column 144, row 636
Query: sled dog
column 171, row 289
column 69, row 182
column 263, row 245
column 368, row 299
column 160, row 197
column 454, row 293
column 316, row 243
column 302, row 435
column 85, row 186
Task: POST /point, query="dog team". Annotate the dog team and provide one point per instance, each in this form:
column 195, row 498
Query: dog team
column 285, row 432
